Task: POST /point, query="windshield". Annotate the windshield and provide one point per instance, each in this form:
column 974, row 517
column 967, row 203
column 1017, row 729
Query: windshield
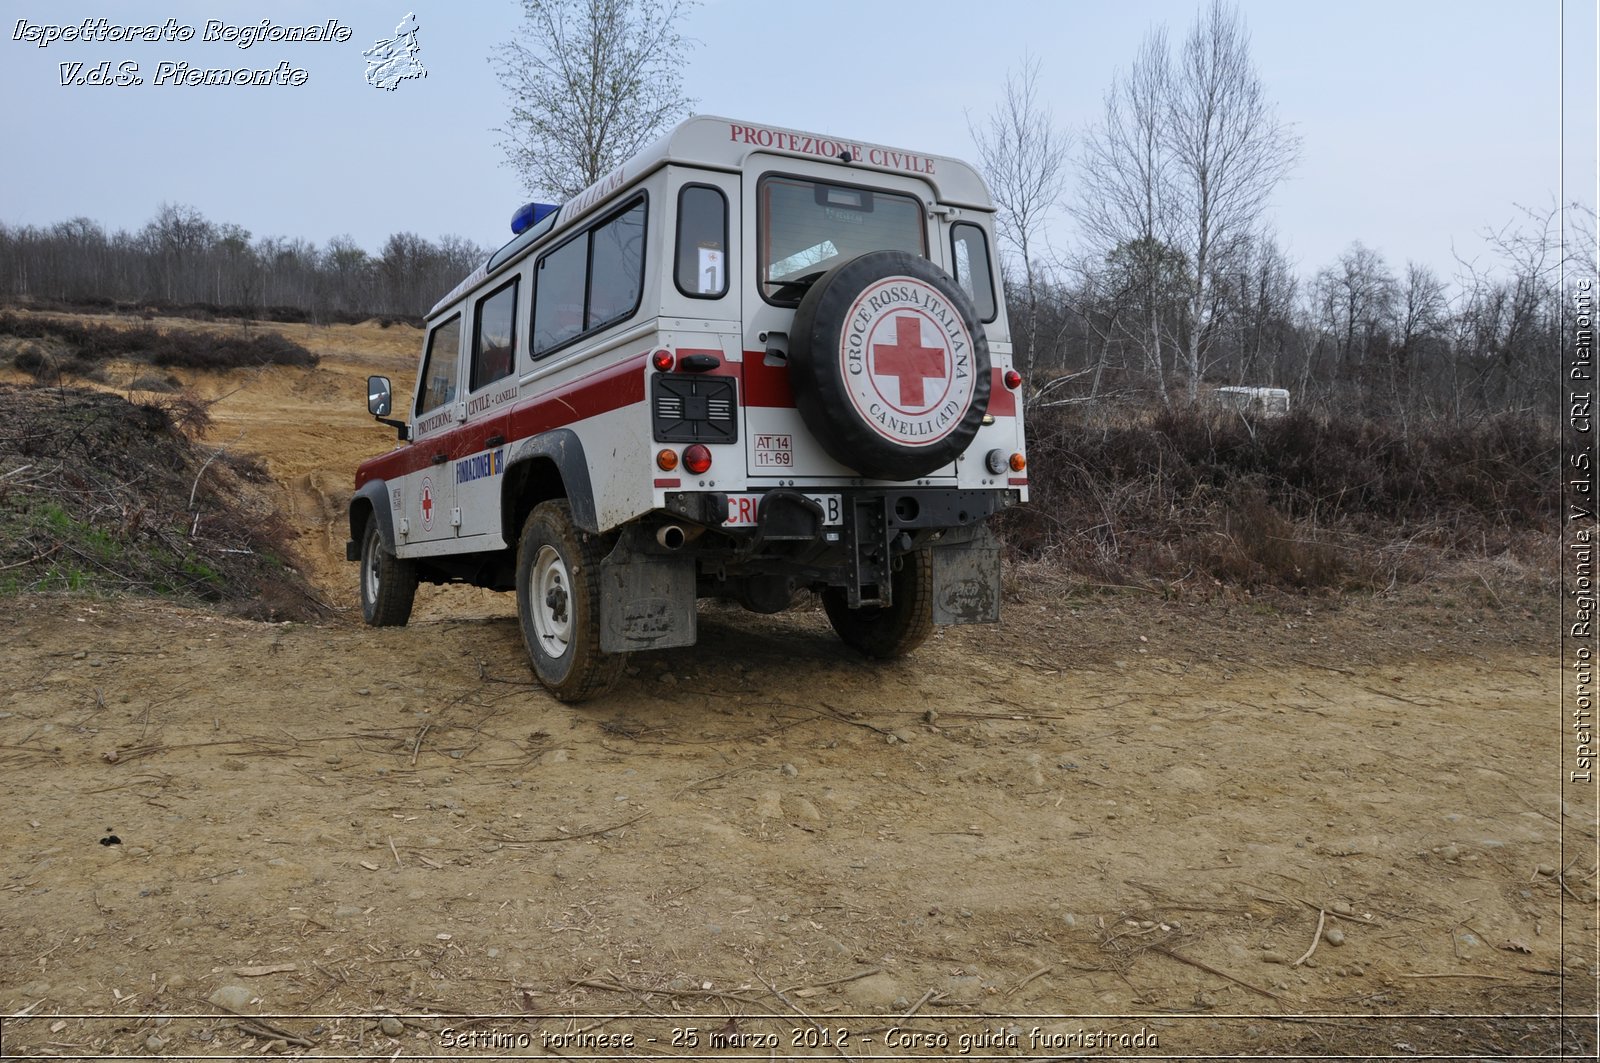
column 808, row 227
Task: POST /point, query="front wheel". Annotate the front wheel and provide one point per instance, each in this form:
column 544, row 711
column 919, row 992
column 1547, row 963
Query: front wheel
column 558, row 602
column 893, row 630
column 388, row 584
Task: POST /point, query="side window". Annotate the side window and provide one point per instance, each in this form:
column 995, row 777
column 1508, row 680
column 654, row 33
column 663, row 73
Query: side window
column 440, row 371
column 591, row 281
column 494, row 344
column 702, row 267
column 616, row 268
column 970, row 253
column 558, row 297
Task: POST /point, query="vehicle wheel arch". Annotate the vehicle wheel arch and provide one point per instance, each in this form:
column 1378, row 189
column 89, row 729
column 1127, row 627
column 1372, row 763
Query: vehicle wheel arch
column 372, row 499
column 548, row 466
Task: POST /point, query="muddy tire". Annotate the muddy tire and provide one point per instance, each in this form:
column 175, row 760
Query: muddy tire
column 889, row 365
column 888, row 631
column 388, row 584
column 558, row 603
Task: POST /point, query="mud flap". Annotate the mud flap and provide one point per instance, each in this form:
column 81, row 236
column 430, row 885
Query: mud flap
column 647, row 602
column 966, row 581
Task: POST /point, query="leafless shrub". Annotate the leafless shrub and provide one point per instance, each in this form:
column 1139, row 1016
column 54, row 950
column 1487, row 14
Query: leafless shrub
column 1300, row 503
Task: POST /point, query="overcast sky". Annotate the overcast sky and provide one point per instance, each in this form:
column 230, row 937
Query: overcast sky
column 1422, row 121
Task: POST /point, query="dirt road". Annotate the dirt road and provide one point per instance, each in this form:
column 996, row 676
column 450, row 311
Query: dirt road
column 1130, row 813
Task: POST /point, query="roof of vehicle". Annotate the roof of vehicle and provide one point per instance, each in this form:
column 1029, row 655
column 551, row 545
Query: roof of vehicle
column 718, row 143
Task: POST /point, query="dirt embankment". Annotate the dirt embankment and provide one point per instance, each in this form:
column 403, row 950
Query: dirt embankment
column 1106, row 817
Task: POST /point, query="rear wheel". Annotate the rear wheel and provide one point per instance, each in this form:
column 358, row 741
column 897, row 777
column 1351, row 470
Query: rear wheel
column 893, row 630
column 388, row 584
column 558, row 602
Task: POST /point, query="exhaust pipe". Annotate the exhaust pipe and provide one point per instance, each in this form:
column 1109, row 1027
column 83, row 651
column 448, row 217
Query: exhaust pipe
column 671, row 536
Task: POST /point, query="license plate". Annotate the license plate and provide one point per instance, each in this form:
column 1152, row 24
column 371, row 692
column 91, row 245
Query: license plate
column 742, row 510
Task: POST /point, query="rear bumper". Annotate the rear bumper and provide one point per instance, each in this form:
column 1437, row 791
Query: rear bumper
column 874, row 527
column 787, row 514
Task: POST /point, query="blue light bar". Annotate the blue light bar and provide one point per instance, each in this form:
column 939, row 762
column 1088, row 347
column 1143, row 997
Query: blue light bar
column 529, row 215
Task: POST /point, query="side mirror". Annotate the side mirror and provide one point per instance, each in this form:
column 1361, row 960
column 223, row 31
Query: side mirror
column 380, row 397
column 380, row 400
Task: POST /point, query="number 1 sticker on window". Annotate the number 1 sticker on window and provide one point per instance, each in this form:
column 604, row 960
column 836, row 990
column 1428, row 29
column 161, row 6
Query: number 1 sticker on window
column 710, row 270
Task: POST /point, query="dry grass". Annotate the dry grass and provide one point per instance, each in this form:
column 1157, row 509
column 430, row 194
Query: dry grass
column 52, row 348
column 1299, row 503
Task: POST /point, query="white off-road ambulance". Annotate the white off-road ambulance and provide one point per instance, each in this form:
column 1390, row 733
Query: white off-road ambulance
column 750, row 361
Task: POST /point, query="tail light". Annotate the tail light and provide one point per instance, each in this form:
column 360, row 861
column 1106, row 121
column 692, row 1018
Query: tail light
column 697, row 458
column 663, row 360
column 1013, row 379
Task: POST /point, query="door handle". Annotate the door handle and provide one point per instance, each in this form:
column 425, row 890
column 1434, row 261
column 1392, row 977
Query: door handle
column 494, row 441
column 440, row 458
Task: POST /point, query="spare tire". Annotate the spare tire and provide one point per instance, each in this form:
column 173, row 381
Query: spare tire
column 889, row 365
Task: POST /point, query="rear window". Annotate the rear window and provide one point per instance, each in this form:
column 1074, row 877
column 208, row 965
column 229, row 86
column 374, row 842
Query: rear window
column 808, row 227
column 702, row 242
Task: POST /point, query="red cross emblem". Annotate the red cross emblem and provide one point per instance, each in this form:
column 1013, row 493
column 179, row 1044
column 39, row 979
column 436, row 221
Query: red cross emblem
column 908, row 361
column 427, row 504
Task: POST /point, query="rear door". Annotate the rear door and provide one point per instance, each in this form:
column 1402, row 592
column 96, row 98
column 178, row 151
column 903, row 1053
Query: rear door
column 801, row 219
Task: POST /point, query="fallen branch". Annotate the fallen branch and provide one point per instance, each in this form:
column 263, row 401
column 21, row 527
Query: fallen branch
column 804, row 1015
column 272, row 1033
column 1212, row 970
column 616, row 987
column 31, row 560
column 1322, row 920
column 256, row 1027
column 868, row 973
column 207, row 464
column 1451, row 974
column 1030, row 976
column 258, row 972
column 571, row 837
column 829, row 710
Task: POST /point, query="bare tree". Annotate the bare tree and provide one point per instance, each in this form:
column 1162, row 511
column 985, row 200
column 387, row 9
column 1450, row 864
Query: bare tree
column 1227, row 152
column 591, row 83
column 1024, row 160
column 1356, row 298
column 176, row 239
column 1124, row 192
column 1257, row 292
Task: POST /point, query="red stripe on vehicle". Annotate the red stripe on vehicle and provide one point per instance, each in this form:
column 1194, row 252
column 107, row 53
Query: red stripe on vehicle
column 1002, row 400
column 610, row 389
column 766, row 385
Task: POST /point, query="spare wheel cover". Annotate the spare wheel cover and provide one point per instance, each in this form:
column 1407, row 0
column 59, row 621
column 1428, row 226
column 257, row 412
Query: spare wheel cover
column 889, row 365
